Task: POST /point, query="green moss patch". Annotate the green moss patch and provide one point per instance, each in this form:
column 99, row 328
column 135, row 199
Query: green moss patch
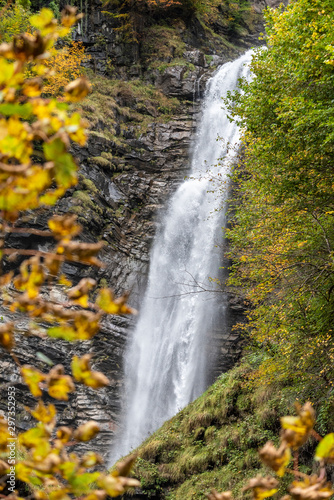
column 115, row 107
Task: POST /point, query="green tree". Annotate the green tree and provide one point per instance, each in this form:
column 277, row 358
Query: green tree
column 283, row 237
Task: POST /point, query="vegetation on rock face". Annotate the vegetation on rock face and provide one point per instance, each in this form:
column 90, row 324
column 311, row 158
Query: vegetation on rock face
column 66, row 64
column 129, row 105
column 138, row 22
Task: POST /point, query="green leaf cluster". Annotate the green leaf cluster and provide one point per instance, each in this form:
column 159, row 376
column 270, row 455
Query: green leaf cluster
column 283, row 235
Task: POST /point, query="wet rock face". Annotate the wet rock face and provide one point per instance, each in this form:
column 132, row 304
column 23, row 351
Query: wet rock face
column 85, row 404
column 178, row 81
column 125, row 179
column 155, row 163
column 123, row 212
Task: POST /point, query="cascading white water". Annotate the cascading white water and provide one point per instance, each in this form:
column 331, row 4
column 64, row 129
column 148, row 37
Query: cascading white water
column 166, row 359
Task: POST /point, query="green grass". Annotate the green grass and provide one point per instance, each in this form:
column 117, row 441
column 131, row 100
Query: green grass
column 214, row 441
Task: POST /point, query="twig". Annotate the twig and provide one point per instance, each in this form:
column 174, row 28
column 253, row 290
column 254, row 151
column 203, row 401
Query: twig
column 315, row 435
column 15, row 358
column 295, row 460
column 62, row 258
column 11, row 251
column 322, row 474
column 297, row 473
column 27, row 230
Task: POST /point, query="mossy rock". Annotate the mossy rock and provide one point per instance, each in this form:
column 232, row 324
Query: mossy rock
column 100, row 161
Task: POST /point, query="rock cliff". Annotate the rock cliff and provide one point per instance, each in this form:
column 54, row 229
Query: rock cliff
column 142, row 115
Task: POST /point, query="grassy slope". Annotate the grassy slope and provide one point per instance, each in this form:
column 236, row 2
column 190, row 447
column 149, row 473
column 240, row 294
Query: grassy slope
column 213, row 442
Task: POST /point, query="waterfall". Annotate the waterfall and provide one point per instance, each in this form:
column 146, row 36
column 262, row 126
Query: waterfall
column 167, row 363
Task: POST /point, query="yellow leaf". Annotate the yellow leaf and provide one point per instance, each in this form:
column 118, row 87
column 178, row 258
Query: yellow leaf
column 297, row 429
column 31, row 277
column 77, row 90
column 64, row 281
column 59, row 385
column 81, row 252
column 41, row 495
column 111, row 485
column 69, row 16
column 87, row 431
column 90, row 459
column 68, row 469
column 51, row 197
column 325, row 449
column 64, row 226
column 59, row 495
column 32, row 377
column 45, row 414
column 36, row 439
column 87, row 324
column 262, row 487
column 276, row 459
column 96, row 495
column 79, row 294
column 116, row 485
column 311, row 488
column 124, row 467
column 49, row 464
column 32, row 87
column 44, row 21
column 22, row 472
column 82, row 373
column 64, row 434
column 107, row 302
column 7, row 339
column 63, row 332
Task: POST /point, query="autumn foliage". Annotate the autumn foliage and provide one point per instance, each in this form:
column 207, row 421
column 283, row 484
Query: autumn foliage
column 14, row 20
column 36, row 168
column 282, row 234
column 295, row 432
column 66, row 65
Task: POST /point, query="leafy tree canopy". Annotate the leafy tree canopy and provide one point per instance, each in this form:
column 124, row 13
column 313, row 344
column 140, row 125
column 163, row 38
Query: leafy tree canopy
column 283, row 238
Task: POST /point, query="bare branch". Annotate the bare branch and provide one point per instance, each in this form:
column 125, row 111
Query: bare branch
column 27, row 230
